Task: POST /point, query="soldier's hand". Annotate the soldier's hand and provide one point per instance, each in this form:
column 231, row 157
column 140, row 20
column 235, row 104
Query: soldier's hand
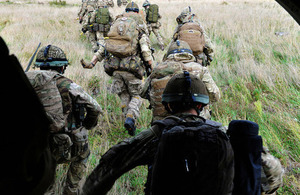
column 85, row 65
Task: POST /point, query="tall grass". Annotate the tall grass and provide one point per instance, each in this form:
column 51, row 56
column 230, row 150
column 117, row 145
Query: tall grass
column 256, row 70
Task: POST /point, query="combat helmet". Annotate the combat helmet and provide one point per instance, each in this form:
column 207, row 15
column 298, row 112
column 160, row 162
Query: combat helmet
column 186, row 90
column 185, row 16
column 51, row 56
column 132, row 7
column 146, row 3
column 179, row 46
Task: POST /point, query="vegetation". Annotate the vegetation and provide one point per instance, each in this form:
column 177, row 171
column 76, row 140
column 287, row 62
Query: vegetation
column 256, row 68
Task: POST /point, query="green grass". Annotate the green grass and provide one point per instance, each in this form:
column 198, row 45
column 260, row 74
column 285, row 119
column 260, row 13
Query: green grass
column 257, row 72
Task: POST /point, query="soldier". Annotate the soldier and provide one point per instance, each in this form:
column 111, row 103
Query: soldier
column 82, row 11
column 87, row 25
column 72, row 112
column 127, row 54
column 109, row 3
column 190, row 30
column 178, row 58
column 101, row 19
column 121, row 2
column 141, row 149
column 185, row 104
column 152, row 18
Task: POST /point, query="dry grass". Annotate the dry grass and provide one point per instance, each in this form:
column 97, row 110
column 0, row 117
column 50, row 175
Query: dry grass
column 257, row 71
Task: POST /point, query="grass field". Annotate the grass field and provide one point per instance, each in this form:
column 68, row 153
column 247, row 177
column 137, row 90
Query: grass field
column 256, row 70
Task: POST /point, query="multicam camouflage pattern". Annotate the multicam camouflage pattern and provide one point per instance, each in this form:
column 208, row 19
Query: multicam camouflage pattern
column 53, row 57
column 154, row 26
column 127, row 86
column 272, row 172
column 162, row 73
column 44, row 83
column 71, row 144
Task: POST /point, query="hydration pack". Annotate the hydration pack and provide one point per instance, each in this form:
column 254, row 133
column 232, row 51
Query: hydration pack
column 102, row 16
column 153, row 14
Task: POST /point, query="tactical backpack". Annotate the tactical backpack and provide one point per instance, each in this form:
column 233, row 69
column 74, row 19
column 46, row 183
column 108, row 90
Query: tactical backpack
column 192, row 158
column 44, row 84
column 123, row 37
column 192, row 33
column 153, row 13
column 160, row 76
column 102, row 16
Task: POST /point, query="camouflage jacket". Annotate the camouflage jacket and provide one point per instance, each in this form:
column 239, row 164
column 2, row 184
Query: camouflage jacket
column 141, row 150
column 154, row 92
column 126, row 155
column 72, row 95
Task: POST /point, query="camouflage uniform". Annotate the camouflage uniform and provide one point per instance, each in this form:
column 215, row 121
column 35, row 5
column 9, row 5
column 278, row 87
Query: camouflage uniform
column 109, row 3
column 189, row 64
column 126, row 83
column 188, row 16
column 82, row 10
column 87, row 25
column 154, row 26
column 69, row 142
column 102, row 29
column 122, row 2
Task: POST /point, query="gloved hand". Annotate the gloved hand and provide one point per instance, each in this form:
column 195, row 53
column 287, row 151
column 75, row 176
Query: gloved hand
column 85, row 65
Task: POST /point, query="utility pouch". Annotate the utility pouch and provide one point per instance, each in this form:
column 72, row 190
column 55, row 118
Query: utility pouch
column 80, row 142
column 96, row 27
column 133, row 65
column 61, row 147
column 111, row 64
column 90, row 28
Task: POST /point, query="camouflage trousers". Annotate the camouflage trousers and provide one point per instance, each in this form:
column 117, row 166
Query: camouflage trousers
column 93, row 39
column 154, row 27
column 76, row 156
column 127, row 86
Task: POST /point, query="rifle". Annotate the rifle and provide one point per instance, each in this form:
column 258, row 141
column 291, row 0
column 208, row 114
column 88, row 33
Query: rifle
column 31, row 59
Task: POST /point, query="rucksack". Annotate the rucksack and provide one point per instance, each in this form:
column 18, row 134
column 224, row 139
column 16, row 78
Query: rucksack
column 160, row 76
column 44, row 84
column 192, row 33
column 192, row 158
column 153, row 14
column 102, row 16
column 247, row 147
column 123, row 37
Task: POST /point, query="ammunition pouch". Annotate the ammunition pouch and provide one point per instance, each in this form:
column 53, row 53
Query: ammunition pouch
column 101, row 27
column 67, row 146
column 132, row 64
column 80, row 143
column 95, row 27
column 60, row 145
column 90, row 28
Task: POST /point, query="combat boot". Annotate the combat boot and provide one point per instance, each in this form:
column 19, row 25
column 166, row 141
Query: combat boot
column 86, row 65
column 130, row 126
